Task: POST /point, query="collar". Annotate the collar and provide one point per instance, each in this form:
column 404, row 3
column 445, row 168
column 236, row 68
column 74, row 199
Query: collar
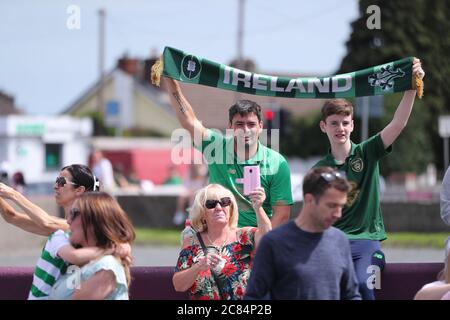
column 352, row 152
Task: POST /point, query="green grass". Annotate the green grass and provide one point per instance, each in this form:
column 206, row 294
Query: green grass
column 148, row 236
column 171, row 237
column 413, row 239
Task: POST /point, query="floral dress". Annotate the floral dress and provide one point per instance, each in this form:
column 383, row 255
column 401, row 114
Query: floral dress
column 235, row 273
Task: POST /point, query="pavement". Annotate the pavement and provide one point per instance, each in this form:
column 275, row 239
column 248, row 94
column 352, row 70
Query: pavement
column 167, row 256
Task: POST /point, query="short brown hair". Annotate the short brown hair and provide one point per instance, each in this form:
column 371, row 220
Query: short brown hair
column 337, row 106
column 319, row 179
column 243, row 108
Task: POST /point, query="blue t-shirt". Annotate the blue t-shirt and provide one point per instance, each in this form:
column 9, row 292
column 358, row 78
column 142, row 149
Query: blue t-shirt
column 66, row 284
column 294, row 264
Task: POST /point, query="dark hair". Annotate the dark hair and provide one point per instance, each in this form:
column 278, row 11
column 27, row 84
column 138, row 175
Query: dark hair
column 83, row 176
column 110, row 225
column 244, row 107
column 18, row 178
column 316, row 184
column 337, row 106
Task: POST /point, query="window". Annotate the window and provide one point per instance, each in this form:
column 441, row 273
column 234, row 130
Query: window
column 53, row 156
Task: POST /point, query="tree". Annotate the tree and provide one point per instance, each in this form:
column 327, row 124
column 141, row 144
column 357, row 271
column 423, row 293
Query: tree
column 409, row 28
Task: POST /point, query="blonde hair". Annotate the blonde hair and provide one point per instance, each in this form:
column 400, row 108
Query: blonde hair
column 198, row 209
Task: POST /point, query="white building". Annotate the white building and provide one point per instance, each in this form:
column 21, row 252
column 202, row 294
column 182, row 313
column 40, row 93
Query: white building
column 39, row 146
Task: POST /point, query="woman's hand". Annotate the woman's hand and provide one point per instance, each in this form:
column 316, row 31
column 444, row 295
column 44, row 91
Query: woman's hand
column 257, row 197
column 203, row 263
column 123, row 251
column 216, row 262
column 7, row 192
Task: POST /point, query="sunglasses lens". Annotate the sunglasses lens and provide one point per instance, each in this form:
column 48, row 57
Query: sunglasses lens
column 225, row 202
column 60, row 181
column 211, row 204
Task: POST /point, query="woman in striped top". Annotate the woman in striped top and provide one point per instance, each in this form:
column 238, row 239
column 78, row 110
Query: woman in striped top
column 72, row 182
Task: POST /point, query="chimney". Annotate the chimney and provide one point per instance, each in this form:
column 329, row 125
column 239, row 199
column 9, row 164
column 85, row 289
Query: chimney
column 130, row 66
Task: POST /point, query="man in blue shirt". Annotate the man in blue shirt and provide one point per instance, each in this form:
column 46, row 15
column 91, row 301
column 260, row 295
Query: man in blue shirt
column 307, row 258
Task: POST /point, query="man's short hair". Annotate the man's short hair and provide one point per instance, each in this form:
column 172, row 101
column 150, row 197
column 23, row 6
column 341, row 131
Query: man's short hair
column 243, row 108
column 337, row 106
column 319, row 179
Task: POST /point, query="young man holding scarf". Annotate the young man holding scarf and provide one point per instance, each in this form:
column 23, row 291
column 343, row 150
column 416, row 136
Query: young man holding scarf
column 361, row 219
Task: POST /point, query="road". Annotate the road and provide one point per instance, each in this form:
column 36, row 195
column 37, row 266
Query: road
column 167, row 256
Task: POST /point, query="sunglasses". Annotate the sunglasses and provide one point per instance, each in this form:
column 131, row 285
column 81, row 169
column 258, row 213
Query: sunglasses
column 331, row 176
column 74, row 212
column 224, row 202
column 61, row 182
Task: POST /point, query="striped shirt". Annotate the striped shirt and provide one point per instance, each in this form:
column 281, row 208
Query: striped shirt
column 49, row 266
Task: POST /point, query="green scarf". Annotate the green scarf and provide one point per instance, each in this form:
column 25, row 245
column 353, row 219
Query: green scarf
column 386, row 78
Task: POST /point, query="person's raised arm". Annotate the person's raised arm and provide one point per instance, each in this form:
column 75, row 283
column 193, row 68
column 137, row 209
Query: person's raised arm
column 183, row 110
column 264, row 224
column 45, row 224
column 97, row 287
column 280, row 215
column 21, row 220
column 390, row 133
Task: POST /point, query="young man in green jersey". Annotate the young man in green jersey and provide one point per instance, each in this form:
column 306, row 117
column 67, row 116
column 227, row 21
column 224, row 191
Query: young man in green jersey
column 361, row 219
column 227, row 156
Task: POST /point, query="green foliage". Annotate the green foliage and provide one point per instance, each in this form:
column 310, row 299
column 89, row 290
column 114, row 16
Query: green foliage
column 99, row 125
column 169, row 237
column 409, row 28
column 417, row 240
column 305, row 138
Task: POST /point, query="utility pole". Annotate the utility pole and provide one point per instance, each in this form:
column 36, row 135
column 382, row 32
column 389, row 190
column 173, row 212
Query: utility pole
column 240, row 33
column 240, row 40
column 101, row 63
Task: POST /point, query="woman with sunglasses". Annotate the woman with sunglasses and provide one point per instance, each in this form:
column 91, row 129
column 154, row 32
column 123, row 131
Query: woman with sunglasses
column 223, row 270
column 71, row 183
column 97, row 220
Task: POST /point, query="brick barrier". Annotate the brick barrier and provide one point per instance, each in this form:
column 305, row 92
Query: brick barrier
column 399, row 281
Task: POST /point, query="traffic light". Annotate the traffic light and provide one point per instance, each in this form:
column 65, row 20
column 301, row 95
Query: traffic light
column 268, row 116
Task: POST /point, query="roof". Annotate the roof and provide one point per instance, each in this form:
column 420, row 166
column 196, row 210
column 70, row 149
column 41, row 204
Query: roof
column 7, row 105
column 210, row 104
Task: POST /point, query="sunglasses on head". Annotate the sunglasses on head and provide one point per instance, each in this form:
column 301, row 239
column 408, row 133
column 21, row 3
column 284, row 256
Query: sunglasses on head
column 74, row 212
column 331, row 176
column 224, row 202
column 61, row 182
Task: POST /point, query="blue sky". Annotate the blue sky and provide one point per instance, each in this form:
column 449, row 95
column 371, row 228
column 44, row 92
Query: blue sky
column 46, row 66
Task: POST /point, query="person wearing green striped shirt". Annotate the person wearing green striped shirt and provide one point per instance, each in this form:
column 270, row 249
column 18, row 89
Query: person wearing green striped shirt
column 72, row 181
